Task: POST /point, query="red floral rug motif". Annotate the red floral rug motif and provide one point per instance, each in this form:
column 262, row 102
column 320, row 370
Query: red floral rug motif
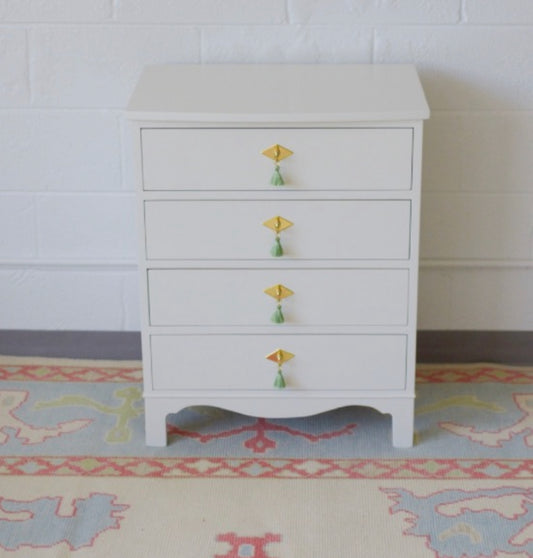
column 260, row 442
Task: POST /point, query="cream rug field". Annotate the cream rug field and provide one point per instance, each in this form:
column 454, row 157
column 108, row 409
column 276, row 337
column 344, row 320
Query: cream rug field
column 77, row 480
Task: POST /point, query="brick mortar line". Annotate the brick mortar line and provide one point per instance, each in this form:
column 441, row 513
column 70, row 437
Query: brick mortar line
column 118, row 110
column 197, row 24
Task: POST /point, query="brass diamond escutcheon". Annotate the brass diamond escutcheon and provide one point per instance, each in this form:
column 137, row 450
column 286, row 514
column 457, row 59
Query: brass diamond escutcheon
column 277, row 152
column 280, row 356
column 278, row 224
column 279, row 292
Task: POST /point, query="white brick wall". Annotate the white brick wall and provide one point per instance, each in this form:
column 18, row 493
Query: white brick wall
column 56, row 149
column 14, row 84
column 67, row 68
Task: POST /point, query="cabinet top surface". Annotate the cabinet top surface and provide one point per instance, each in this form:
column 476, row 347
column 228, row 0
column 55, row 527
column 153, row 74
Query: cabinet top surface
column 278, row 93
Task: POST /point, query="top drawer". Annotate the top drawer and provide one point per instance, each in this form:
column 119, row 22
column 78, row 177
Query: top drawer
column 231, row 159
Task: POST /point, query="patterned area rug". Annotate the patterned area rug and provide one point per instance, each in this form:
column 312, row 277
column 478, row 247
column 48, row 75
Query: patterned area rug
column 77, row 480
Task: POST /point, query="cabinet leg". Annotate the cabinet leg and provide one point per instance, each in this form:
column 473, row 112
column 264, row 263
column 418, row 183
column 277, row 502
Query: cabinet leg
column 403, row 424
column 155, row 424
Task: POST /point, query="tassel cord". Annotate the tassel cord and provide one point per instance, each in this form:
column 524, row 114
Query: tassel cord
column 277, row 249
column 277, row 317
column 279, row 382
column 277, row 179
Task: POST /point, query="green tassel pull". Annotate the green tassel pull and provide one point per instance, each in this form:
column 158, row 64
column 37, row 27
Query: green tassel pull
column 277, row 317
column 279, row 382
column 277, row 179
column 277, row 250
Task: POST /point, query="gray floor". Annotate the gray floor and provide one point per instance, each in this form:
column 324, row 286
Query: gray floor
column 433, row 346
column 124, row 345
column 505, row 347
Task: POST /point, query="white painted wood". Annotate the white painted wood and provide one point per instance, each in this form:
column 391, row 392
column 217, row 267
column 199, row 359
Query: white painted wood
column 231, row 159
column 321, row 297
column 403, row 415
column 413, row 274
column 271, row 93
column 277, row 404
column 155, row 414
column 321, row 362
column 353, row 194
column 234, row 231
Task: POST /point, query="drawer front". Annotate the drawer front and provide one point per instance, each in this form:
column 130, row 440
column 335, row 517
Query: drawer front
column 237, row 362
column 236, row 297
column 231, row 159
column 233, row 230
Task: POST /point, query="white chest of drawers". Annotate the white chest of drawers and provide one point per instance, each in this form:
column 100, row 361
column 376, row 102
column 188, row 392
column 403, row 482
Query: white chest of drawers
column 352, row 194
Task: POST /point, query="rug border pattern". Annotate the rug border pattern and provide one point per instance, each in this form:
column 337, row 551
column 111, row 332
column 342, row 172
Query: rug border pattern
column 210, row 467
